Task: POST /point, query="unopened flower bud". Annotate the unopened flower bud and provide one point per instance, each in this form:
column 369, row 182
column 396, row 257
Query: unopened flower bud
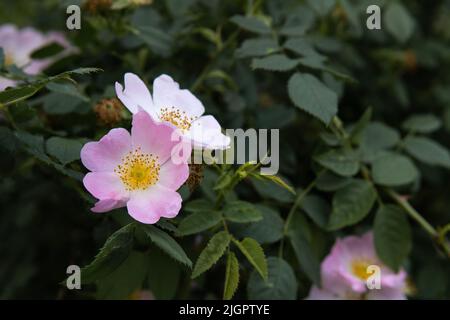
column 109, row 111
column 195, row 176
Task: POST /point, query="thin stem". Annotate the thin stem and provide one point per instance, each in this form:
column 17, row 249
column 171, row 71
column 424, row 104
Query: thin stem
column 294, row 207
column 296, row 204
column 412, row 212
column 212, row 62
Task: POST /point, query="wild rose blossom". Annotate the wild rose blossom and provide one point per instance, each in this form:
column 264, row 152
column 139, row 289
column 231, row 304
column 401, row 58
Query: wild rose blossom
column 344, row 273
column 136, row 170
column 18, row 44
column 173, row 105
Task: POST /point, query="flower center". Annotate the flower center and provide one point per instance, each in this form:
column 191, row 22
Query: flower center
column 9, row 59
column 138, row 170
column 176, row 117
column 359, row 269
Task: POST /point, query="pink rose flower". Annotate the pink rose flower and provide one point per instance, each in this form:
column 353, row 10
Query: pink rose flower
column 173, row 105
column 136, row 170
column 344, row 273
column 19, row 44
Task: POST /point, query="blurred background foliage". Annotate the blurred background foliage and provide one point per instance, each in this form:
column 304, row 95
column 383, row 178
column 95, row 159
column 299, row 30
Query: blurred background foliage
column 247, row 61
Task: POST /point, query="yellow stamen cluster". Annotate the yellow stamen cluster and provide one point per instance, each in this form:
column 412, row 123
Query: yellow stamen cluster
column 359, row 269
column 177, row 118
column 138, row 170
column 8, row 59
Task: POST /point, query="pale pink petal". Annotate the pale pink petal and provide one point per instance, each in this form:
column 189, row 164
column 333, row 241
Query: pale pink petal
column 108, row 205
column 105, row 185
column 20, row 44
column 206, row 132
column 167, row 94
column 386, row 294
column 107, row 153
column 152, row 137
column 135, row 95
column 5, row 83
column 150, row 205
column 172, row 175
column 393, row 280
column 334, row 270
column 37, row 66
column 6, row 30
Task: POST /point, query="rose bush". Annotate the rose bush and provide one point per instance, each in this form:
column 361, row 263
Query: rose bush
column 90, row 120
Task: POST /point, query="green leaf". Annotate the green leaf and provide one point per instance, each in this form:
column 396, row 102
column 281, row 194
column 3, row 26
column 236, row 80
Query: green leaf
column 211, row 254
column 17, row 94
column 330, row 182
column 301, row 46
column 392, row 235
column 322, row 7
column 167, row 244
column 358, row 129
column 398, row 22
column 303, row 251
column 423, row 123
column 69, row 172
column 65, row 150
column 375, row 138
column 351, row 204
column 317, row 209
column 257, row 47
column 268, row 189
column 59, row 103
column 275, row 62
column 254, row 253
column 77, row 71
column 47, row 51
column 281, row 283
column 298, row 22
column 277, row 180
column 125, row 279
column 241, row 212
column 8, row 141
column 252, row 24
column 163, row 275
column 427, row 151
column 159, row 41
column 341, row 162
column 33, row 144
column 268, row 230
column 394, row 170
column 115, row 250
column 312, row 96
column 166, row 225
column 314, row 62
column 67, row 89
column 198, row 205
column 231, row 276
column 199, row 221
